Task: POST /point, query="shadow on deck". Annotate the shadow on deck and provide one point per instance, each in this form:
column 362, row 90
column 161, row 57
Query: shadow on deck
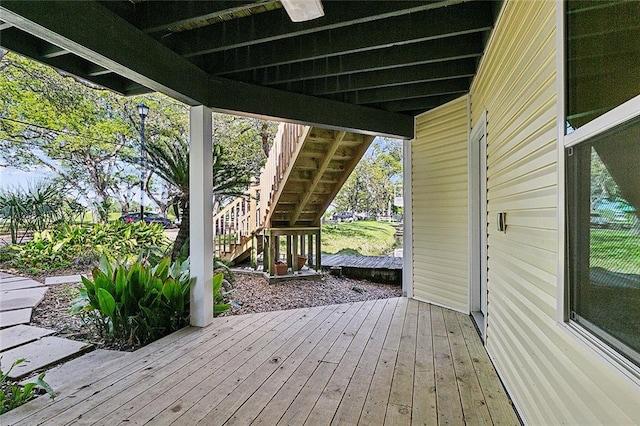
column 386, row 361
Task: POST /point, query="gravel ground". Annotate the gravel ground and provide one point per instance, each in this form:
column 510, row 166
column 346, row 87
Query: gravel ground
column 250, row 294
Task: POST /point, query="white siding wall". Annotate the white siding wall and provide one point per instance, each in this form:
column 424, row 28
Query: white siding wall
column 439, row 202
column 552, row 376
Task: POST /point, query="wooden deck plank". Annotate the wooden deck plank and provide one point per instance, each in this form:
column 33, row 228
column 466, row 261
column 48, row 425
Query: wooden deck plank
column 447, row 396
column 350, row 407
column 141, row 381
column 156, row 353
column 375, row 404
column 139, row 404
column 424, row 410
column 275, row 409
column 271, row 368
column 266, row 365
column 299, row 410
column 330, row 398
column 474, row 407
column 401, row 396
column 251, row 408
column 498, row 403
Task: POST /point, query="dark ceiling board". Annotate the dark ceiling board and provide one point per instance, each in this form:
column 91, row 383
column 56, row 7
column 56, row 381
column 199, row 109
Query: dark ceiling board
column 408, row 91
column 416, row 104
column 94, row 33
column 428, row 25
column 442, row 49
column 27, row 45
column 154, row 16
column 385, row 78
column 276, row 25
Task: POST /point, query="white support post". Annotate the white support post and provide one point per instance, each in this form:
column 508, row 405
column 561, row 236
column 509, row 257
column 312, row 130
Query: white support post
column 201, row 215
column 407, row 234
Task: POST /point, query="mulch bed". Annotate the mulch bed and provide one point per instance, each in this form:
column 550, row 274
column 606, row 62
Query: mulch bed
column 250, row 294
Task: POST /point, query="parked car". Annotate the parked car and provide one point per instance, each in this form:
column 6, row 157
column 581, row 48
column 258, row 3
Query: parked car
column 148, row 218
column 343, row 217
column 621, row 220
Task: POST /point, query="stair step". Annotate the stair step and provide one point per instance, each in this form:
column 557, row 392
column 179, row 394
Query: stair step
column 41, row 354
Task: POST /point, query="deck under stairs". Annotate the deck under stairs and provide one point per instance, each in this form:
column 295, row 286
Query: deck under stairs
column 306, row 168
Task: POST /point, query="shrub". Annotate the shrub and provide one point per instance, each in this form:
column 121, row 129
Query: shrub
column 139, row 303
column 75, row 245
column 13, row 395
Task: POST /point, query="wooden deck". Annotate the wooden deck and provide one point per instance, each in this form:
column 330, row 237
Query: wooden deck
column 368, row 262
column 393, row 361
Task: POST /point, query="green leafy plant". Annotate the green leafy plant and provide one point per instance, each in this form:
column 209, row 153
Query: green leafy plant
column 136, row 303
column 68, row 245
column 219, row 302
column 13, row 395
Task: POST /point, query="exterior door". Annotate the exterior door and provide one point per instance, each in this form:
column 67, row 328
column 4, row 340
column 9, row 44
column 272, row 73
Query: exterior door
column 478, row 223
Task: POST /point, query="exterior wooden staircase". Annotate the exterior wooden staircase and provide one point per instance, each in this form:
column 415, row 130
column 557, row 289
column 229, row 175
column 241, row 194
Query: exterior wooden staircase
column 305, row 169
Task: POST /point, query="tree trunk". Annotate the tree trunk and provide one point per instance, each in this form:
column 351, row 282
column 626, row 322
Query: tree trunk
column 183, row 233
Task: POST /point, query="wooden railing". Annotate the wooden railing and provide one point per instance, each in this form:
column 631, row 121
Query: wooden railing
column 285, row 145
column 235, row 224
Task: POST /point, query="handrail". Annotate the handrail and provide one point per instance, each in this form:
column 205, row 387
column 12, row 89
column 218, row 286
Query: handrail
column 280, row 154
column 235, row 222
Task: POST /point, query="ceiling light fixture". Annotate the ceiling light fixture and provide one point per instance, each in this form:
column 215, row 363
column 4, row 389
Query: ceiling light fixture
column 303, row 10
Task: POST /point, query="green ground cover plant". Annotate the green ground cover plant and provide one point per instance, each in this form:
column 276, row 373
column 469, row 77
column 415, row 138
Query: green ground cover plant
column 13, row 395
column 360, row 237
column 66, row 245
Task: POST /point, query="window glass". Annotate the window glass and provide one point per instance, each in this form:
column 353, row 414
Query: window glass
column 604, row 236
column 603, row 57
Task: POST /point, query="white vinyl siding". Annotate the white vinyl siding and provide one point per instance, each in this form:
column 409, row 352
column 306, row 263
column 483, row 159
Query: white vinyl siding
column 439, row 203
column 552, row 377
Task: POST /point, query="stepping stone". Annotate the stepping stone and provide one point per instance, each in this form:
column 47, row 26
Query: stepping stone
column 12, row 278
column 19, row 299
column 21, row 334
column 67, row 279
column 15, row 317
column 84, row 368
column 5, row 275
column 18, row 285
column 40, row 354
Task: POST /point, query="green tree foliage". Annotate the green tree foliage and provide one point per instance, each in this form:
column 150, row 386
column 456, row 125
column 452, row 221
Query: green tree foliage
column 370, row 188
column 66, row 126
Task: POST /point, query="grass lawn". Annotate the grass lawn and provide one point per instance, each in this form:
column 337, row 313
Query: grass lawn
column 615, row 250
column 360, row 237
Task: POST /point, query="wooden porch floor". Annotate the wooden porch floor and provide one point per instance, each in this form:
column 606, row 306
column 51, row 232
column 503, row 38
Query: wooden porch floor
column 393, row 361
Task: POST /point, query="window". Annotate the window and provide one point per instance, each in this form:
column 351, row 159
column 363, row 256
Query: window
column 604, row 237
column 603, row 172
column 603, row 57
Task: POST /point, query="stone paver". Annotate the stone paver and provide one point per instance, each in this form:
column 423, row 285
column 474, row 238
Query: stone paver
column 15, row 317
column 67, row 279
column 40, row 354
column 19, row 285
column 25, row 298
column 21, row 334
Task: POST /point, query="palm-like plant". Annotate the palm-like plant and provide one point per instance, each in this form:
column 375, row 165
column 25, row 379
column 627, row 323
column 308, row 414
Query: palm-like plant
column 169, row 160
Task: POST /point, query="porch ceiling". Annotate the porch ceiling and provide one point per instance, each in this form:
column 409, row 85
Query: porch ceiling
column 366, row 66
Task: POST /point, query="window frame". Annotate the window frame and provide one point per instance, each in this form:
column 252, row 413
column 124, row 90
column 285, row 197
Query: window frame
column 607, row 121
